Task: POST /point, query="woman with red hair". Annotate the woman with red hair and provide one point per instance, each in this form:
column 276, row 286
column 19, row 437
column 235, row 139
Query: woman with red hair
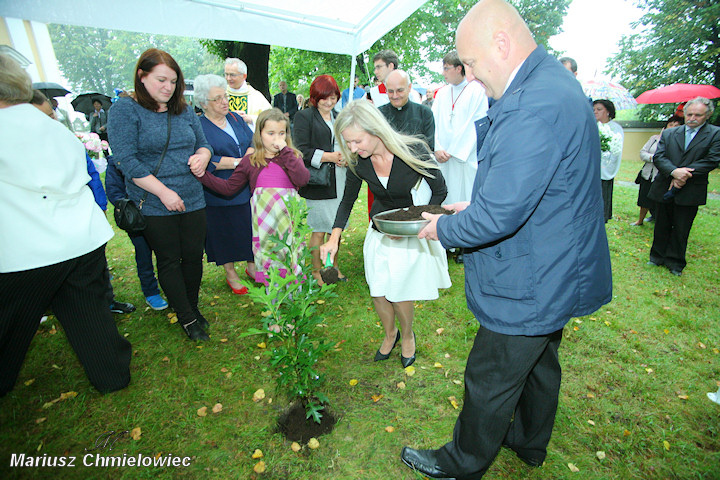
column 314, row 136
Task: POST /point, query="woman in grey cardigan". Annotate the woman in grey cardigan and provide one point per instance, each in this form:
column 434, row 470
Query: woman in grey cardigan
column 172, row 201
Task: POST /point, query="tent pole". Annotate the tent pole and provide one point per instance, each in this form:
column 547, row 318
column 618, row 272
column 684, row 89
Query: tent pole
column 351, row 91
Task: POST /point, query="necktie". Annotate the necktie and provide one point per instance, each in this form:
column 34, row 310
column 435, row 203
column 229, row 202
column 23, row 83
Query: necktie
column 689, row 134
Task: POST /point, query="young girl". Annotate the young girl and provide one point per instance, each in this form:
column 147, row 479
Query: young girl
column 275, row 170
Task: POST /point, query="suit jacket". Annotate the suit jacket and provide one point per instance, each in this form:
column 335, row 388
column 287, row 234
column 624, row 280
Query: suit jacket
column 311, row 133
column 99, row 121
column 291, row 105
column 47, row 212
column 703, row 154
column 538, row 253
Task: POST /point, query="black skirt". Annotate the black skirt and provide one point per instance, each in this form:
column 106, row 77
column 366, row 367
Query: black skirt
column 643, row 200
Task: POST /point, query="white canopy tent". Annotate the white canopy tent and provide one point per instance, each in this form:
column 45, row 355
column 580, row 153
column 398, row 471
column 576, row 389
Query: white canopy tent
column 335, row 26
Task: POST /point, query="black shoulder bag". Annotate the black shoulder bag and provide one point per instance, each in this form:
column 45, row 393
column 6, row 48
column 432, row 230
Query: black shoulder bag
column 128, row 216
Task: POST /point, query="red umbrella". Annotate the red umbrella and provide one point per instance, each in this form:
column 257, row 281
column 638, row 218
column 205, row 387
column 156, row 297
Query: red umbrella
column 678, row 92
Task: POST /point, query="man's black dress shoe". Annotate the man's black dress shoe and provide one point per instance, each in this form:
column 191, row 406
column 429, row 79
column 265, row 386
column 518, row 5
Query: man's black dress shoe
column 424, row 461
column 121, row 307
column 204, row 324
column 677, row 273
column 384, row 356
column 653, row 263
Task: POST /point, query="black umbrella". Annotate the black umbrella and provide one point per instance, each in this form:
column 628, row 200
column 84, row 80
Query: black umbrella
column 84, row 102
column 50, row 89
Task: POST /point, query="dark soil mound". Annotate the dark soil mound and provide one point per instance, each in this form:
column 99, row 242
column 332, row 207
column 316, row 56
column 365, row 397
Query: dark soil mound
column 297, row 428
column 330, row 275
column 414, row 212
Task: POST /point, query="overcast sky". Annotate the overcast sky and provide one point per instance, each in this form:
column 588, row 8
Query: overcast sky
column 591, row 31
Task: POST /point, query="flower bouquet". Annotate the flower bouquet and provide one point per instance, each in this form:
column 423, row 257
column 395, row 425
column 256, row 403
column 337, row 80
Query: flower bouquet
column 94, row 148
column 609, row 141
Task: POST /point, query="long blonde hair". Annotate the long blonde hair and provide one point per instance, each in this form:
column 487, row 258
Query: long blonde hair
column 363, row 115
column 257, row 158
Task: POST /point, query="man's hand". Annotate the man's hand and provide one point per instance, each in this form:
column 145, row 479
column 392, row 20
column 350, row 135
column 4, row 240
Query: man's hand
column 682, row 174
column 442, row 156
column 457, row 206
column 247, row 118
column 430, row 230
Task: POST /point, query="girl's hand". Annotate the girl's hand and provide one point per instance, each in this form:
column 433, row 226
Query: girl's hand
column 279, row 144
column 199, row 161
column 172, row 201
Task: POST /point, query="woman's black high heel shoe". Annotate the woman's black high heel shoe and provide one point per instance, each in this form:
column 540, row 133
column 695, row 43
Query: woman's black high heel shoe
column 407, row 361
column 384, row 356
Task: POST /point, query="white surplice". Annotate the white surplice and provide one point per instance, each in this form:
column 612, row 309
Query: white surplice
column 456, row 108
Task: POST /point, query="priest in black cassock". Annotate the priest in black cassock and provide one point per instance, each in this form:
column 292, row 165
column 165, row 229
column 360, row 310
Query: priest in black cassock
column 405, row 116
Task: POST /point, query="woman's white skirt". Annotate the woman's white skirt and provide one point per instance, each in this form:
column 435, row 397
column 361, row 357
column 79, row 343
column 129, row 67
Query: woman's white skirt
column 404, row 269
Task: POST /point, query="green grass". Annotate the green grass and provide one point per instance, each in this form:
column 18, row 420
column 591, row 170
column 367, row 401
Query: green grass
column 625, row 368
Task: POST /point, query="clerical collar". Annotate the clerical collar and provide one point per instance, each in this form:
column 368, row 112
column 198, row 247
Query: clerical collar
column 401, row 108
column 243, row 89
column 512, row 76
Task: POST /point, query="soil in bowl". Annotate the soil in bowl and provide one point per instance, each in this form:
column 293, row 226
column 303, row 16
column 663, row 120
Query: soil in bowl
column 414, row 213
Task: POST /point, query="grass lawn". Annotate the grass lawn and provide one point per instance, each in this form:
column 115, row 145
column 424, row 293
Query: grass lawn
column 635, row 377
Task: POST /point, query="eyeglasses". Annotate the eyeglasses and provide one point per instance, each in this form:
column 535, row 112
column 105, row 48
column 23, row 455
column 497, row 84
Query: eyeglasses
column 219, row 98
column 233, row 75
column 379, row 66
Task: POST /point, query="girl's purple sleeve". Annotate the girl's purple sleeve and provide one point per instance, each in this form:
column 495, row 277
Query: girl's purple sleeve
column 294, row 166
column 232, row 185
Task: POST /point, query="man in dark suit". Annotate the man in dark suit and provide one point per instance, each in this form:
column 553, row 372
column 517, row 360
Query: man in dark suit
column 684, row 157
column 286, row 101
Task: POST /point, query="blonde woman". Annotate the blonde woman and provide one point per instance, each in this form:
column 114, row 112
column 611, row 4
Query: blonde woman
column 398, row 271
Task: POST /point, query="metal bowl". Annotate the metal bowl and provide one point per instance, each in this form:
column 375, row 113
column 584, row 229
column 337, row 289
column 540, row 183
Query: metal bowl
column 399, row 228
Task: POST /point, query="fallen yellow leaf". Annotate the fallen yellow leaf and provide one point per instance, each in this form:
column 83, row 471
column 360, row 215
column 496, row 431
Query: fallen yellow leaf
column 313, row 443
column 375, row 398
column 40, row 420
column 66, row 395
column 262, row 345
column 573, row 468
column 353, row 382
column 401, row 385
column 439, row 331
column 257, row 454
column 457, row 382
column 223, row 369
column 165, row 359
column 410, row 371
column 320, row 302
column 626, row 433
column 649, row 370
column 215, row 297
column 202, row 412
column 258, row 395
column 295, row 447
column 666, row 331
column 173, row 320
column 683, row 397
column 701, row 345
column 591, row 423
column 437, row 365
column 228, row 375
column 447, row 355
column 136, row 433
column 600, row 455
column 259, row 467
column 607, row 323
column 590, row 395
column 576, row 328
column 666, row 445
column 217, row 408
column 389, row 429
column 453, row 402
column 29, row 382
column 266, row 313
column 223, row 340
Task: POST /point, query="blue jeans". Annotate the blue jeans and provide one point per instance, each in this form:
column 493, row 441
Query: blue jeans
column 144, row 262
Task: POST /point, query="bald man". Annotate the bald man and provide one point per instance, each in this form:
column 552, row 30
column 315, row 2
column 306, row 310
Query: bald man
column 403, row 115
column 536, row 253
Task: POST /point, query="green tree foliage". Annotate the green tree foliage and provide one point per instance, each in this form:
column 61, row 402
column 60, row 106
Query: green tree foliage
column 679, row 43
column 99, row 60
column 426, row 35
column 255, row 56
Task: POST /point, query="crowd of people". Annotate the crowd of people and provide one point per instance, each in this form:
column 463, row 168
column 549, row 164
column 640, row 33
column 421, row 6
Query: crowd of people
column 510, row 143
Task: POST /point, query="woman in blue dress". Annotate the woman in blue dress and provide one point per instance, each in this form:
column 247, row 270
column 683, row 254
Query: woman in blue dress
column 229, row 222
